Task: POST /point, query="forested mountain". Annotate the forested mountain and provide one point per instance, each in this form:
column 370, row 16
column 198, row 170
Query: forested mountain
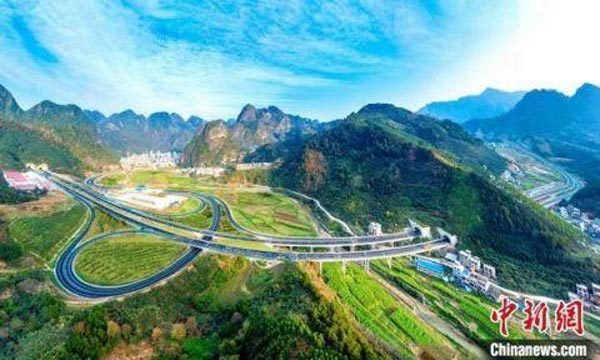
column 128, row 132
column 491, row 102
column 21, row 144
column 219, row 142
column 390, row 165
column 561, row 128
column 60, row 135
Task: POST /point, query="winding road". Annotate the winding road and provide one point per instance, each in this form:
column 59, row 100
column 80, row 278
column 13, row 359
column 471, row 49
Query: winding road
column 200, row 240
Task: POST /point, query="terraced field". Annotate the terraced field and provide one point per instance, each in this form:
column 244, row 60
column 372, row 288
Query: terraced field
column 383, row 315
column 122, row 259
column 46, row 235
column 468, row 312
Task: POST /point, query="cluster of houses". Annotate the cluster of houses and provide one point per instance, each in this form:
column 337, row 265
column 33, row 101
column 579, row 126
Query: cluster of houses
column 591, row 299
column 581, row 220
column 150, row 160
column 463, row 269
column 253, row 166
column 26, row 181
column 215, row 171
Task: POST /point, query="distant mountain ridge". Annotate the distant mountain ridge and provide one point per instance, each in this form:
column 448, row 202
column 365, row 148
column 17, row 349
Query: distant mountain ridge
column 219, row 141
column 128, row 132
column 491, row 102
column 553, row 124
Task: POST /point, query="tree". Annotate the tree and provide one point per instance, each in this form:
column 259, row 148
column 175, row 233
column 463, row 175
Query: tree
column 156, row 335
column 178, row 332
column 113, row 329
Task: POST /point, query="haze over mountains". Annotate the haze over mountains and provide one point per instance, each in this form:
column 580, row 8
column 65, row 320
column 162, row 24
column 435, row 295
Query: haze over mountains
column 491, row 102
column 557, row 126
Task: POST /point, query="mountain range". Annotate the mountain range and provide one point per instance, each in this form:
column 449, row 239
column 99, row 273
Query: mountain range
column 559, row 127
column 386, row 164
column 491, row 102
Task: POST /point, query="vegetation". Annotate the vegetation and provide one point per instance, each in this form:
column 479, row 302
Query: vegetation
column 468, row 312
column 588, row 198
column 269, row 212
column 20, row 144
column 126, row 258
column 382, row 314
column 388, row 176
column 12, row 196
column 104, row 223
column 221, row 307
column 45, row 235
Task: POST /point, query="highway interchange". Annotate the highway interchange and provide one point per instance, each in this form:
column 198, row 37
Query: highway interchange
column 331, row 249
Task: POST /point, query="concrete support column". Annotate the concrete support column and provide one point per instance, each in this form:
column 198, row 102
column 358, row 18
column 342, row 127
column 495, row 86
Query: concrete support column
column 320, row 267
column 389, row 262
column 344, row 266
column 367, row 265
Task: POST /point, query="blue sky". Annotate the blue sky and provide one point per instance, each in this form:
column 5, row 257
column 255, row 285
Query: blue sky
column 313, row 58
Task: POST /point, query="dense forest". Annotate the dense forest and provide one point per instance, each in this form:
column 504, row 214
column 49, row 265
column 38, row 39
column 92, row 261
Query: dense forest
column 387, row 177
column 588, row 198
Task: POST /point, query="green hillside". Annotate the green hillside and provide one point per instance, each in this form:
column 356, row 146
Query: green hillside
column 69, row 126
column 19, row 145
column 387, row 176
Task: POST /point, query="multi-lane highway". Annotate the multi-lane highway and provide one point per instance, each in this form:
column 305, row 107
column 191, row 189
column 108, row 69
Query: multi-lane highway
column 201, row 239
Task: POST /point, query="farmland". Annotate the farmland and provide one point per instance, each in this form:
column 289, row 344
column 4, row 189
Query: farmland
column 122, row 259
column 383, row 315
column 468, row 312
column 44, row 235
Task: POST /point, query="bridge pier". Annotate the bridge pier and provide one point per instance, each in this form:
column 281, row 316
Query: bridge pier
column 320, row 268
column 367, row 265
column 344, row 266
column 389, row 263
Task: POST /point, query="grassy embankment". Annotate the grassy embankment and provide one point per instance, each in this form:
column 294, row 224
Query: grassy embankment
column 45, row 235
column 379, row 312
column 122, row 259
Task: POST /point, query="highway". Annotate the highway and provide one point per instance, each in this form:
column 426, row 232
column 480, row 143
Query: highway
column 551, row 194
column 203, row 240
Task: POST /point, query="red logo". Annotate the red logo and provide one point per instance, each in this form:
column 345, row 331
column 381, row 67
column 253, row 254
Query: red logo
column 503, row 314
column 567, row 316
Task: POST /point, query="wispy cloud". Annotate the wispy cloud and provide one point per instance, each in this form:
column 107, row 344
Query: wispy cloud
column 211, row 57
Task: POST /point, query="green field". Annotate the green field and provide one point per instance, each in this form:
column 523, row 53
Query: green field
column 200, row 220
column 122, row 259
column 46, row 235
column 468, row 312
column 105, row 223
column 383, row 315
column 269, row 212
